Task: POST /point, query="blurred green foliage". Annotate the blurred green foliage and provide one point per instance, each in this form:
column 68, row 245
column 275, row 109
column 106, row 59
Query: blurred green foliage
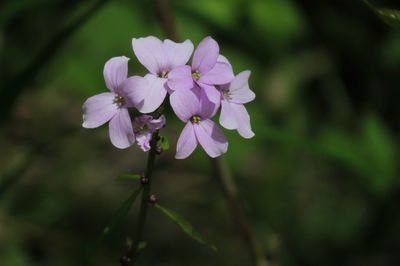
column 320, row 180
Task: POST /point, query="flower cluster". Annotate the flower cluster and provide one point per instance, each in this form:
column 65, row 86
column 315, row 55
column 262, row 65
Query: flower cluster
column 195, row 92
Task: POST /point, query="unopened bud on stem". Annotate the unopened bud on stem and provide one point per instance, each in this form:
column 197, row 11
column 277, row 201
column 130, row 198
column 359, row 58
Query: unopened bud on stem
column 144, row 180
column 125, row 260
column 152, row 199
column 159, row 150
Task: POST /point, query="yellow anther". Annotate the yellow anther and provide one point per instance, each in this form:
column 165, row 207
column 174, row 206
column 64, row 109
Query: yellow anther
column 196, row 75
column 195, row 119
column 119, row 100
column 163, row 73
column 227, row 95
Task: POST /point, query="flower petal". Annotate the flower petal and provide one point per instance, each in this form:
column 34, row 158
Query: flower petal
column 228, row 117
column 151, row 53
column 206, row 55
column 121, row 132
column 178, row 54
column 211, row 138
column 99, row 109
column 243, row 120
column 207, row 107
column 223, row 59
column 187, row 142
column 156, row 124
column 143, row 141
column 239, row 88
column 180, row 78
column 221, row 73
column 211, row 92
column 132, row 91
column 152, row 93
column 115, row 72
column 185, row 104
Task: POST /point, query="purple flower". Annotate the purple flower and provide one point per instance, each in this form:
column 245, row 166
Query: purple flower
column 196, row 110
column 144, row 126
column 233, row 113
column 159, row 58
column 112, row 106
column 206, row 71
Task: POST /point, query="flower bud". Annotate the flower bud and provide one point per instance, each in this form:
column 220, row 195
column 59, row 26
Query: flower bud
column 159, row 150
column 125, row 260
column 152, row 199
column 144, row 180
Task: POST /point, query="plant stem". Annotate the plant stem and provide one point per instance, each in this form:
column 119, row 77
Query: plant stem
column 229, row 190
column 167, row 19
column 131, row 255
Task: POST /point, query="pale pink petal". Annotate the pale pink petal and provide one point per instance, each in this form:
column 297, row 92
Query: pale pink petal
column 153, row 93
column 143, row 141
column 185, row 104
column 207, row 107
column 99, row 109
column 239, row 88
column 180, row 78
column 115, row 72
column 151, row 53
column 120, row 128
column 211, row 138
column 228, row 117
column 178, row 53
column 221, row 73
column 243, row 118
column 187, row 142
column 205, row 56
column 223, row 59
column 132, row 91
column 156, row 124
column 211, row 92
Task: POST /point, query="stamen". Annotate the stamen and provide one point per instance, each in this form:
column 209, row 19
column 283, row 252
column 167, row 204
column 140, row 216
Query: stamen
column 195, row 119
column 163, row 74
column 196, row 75
column 140, row 127
column 119, row 100
column 227, row 95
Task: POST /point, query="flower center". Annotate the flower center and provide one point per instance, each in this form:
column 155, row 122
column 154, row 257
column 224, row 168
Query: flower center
column 142, row 129
column 163, row 73
column 227, row 95
column 195, row 119
column 119, row 100
column 196, row 75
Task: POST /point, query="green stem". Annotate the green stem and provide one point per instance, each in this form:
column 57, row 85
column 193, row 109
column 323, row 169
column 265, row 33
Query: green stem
column 130, row 257
column 229, row 190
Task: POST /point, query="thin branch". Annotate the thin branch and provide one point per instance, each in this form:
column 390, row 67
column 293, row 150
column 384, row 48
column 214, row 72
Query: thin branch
column 167, row 19
column 131, row 255
column 23, row 79
column 229, row 190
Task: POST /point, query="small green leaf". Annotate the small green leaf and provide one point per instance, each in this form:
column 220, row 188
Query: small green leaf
column 129, row 243
column 122, row 211
column 127, row 176
column 142, row 245
column 184, row 225
column 164, row 143
column 390, row 16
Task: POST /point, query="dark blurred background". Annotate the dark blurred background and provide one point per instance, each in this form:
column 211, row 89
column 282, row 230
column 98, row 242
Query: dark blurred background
column 319, row 181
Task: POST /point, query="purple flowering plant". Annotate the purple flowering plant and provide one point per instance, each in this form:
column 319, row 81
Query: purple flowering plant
column 197, row 92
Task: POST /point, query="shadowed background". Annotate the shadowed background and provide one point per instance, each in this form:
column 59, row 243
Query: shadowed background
column 319, row 181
